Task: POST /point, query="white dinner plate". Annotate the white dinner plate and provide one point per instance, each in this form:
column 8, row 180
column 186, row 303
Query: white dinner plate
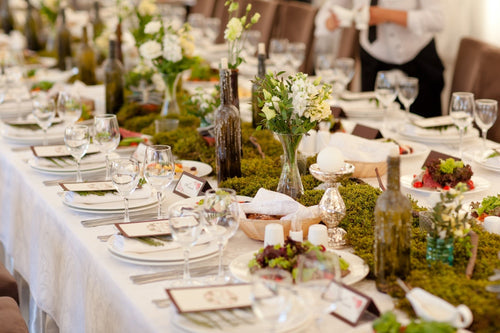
column 194, row 200
column 55, row 170
column 35, row 140
column 202, row 169
column 114, row 206
column 480, row 184
column 359, row 270
column 492, row 164
column 435, row 136
column 418, row 149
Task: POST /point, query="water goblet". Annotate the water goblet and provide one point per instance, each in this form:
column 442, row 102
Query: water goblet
column 277, row 51
column 407, row 92
column 485, row 115
column 125, row 175
column 69, row 107
column 385, row 91
column 212, row 28
column 106, row 136
column 77, row 139
column 462, row 113
column 186, row 224
column 323, row 66
column 296, row 54
column 159, row 170
column 344, row 71
column 221, row 213
column 251, row 40
column 44, row 111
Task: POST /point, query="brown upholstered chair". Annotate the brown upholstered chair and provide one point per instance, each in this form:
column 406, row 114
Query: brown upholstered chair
column 11, row 320
column 267, row 10
column 220, row 11
column 8, row 285
column 204, row 7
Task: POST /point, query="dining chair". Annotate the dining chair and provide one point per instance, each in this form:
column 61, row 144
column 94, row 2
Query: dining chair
column 268, row 10
column 220, row 11
column 8, row 285
column 11, row 320
column 204, row 7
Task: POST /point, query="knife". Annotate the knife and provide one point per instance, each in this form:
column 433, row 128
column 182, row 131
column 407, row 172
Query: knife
column 116, row 219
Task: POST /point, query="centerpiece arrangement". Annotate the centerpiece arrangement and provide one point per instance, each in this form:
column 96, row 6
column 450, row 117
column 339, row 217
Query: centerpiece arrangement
column 292, row 107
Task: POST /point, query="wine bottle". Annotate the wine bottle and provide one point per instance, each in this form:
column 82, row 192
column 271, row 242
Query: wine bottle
column 392, row 230
column 30, row 29
column 63, row 43
column 6, row 17
column 227, row 130
column 261, row 72
column 86, row 61
column 113, row 80
column 97, row 23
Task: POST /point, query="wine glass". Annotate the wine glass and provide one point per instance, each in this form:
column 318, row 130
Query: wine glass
column 344, row 71
column 77, row 139
column 314, row 275
column 271, row 295
column 185, row 223
column 106, row 136
column 296, row 54
column 407, row 92
column 212, row 28
column 323, row 66
column 277, row 50
column 159, row 170
column 462, row 113
column 69, row 107
column 125, row 175
column 44, row 111
column 485, row 115
column 251, row 41
column 385, row 91
column 221, row 213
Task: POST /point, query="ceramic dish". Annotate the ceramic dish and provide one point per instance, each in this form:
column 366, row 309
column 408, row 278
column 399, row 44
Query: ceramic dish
column 480, row 184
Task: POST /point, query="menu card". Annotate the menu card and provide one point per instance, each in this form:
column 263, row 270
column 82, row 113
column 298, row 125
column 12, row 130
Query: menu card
column 434, row 122
column 366, row 132
column 434, row 155
column 58, row 151
column 211, row 298
column 88, row 186
column 144, row 228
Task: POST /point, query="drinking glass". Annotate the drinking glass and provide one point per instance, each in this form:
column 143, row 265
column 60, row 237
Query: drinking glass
column 296, row 54
column 407, row 92
column 212, row 28
column 77, row 139
column 323, row 66
column 106, row 136
column 221, row 213
column 314, row 275
column 344, row 71
column 159, row 170
column 385, row 91
column 272, row 296
column 125, row 175
column 69, row 107
column 44, row 111
column 462, row 113
column 277, row 51
column 186, row 224
column 251, row 40
column 485, row 115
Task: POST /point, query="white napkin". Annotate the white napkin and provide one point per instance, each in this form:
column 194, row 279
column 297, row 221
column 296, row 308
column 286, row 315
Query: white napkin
column 69, row 162
column 359, row 105
column 492, row 161
column 29, row 133
column 362, row 18
column 344, row 15
column 308, row 144
column 413, row 130
column 11, row 107
column 355, row 148
column 274, row 203
column 138, row 194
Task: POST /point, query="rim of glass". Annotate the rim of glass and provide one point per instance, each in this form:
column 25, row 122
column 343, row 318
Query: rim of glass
column 77, row 126
column 105, row 116
column 159, row 147
column 224, row 189
column 486, row 101
column 462, row 94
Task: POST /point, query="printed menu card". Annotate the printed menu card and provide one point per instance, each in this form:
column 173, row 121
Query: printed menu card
column 58, row 151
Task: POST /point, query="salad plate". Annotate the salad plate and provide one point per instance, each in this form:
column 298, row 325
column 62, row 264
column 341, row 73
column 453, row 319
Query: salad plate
column 449, row 135
column 357, row 267
column 65, row 169
column 200, row 169
column 480, row 184
column 113, row 206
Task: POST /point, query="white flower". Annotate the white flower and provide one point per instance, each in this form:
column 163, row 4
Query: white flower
column 152, row 27
column 187, row 44
column 270, row 113
column 233, row 30
column 51, row 4
column 172, row 50
column 150, row 50
column 158, row 82
column 147, row 7
column 275, row 103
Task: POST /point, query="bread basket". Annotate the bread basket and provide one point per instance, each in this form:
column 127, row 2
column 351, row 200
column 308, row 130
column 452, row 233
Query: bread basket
column 255, row 229
column 367, row 169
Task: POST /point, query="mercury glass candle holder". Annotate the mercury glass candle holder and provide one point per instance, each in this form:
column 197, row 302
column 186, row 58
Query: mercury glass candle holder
column 331, row 206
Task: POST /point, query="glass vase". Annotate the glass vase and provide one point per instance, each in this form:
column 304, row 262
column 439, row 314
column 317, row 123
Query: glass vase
column 234, row 88
column 290, row 182
column 439, row 249
column 170, row 105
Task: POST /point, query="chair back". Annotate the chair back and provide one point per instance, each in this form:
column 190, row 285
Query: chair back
column 268, row 10
column 8, row 284
column 204, row 7
column 220, row 11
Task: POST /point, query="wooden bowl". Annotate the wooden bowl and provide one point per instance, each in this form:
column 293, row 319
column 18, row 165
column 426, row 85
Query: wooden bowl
column 255, row 229
column 367, row 169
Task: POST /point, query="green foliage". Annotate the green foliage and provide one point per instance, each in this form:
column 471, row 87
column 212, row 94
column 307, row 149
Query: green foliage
column 449, row 165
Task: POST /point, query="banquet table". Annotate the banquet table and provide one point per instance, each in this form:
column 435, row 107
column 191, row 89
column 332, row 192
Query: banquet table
column 73, row 278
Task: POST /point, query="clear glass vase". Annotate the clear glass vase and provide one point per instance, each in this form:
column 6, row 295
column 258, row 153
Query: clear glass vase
column 439, row 249
column 290, row 182
column 170, row 105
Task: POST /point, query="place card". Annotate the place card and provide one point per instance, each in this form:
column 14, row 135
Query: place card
column 144, row 228
column 211, row 298
column 366, row 132
column 434, row 155
column 190, row 186
column 434, row 122
column 337, row 112
column 58, row 151
column 88, row 186
column 351, row 305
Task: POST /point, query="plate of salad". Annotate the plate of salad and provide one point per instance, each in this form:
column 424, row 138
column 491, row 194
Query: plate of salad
column 489, row 206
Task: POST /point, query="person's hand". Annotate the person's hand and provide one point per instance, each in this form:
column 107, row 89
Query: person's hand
column 332, row 22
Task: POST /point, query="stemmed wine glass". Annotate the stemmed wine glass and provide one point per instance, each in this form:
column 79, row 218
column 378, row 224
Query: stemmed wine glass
column 125, row 175
column 212, row 28
column 159, row 170
column 462, row 113
column 485, row 115
column 69, row 107
column 277, row 50
column 221, row 213
column 106, row 136
column 323, row 66
column 385, row 91
column 251, row 40
column 186, row 224
column 44, row 111
column 77, row 139
column 296, row 54
column 407, row 92
column 344, row 71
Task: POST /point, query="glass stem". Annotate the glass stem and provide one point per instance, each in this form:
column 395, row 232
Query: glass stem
column 159, row 196
column 78, row 171
column 126, row 217
column 460, row 148
column 186, row 275
column 485, row 146
column 45, row 139
column 221, row 248
column 108, row 177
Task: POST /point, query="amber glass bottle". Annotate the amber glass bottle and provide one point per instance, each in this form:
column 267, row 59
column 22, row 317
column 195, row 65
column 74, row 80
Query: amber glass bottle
column 392, row 230
column 86, row 61
column 113, row 81
column 6, row 17
column 63, row 43
column 30, row 29
column 97, row 23
column 227, row 131
column 261, row 72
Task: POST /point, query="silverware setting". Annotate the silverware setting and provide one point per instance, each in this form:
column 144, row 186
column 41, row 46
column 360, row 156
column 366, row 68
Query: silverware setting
column 115, row 219
column 104, row 238
column 17, row 149
column 173, row 274
column 162, row 302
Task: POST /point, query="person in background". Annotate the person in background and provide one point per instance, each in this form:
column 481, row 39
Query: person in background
column 400, row 35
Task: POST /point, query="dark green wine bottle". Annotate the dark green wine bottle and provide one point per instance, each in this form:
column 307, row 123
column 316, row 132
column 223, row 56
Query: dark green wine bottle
column 6, row 17
column 227, row 131
column 261, row 72
column 97, row 23
column 86, row 61
column 30, row 29
column 113, row 80
column 63, row 43
column 392, row 230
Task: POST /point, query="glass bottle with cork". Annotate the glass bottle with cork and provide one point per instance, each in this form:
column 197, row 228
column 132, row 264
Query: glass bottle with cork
column 30, row 29
column 261, row 72
column 63, row 43
column 86, row 61
column 227, row 130
column 6, row 18
column 97, row 23
column 113, row 80
column 392, row 230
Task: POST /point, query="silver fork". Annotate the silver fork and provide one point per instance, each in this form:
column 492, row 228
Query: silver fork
column 116, row 219
column 172, row 274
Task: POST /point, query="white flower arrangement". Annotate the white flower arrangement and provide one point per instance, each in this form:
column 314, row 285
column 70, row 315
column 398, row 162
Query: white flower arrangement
column 147, row 7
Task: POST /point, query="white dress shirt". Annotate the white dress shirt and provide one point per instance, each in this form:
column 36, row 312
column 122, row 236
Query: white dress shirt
column 394, row 44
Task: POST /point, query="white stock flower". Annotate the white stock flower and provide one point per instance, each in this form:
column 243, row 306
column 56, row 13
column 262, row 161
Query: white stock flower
column 275, row 103
column 51, row 4
column 147, row 7
column 152, row 27
column 158, row 82
column 233, row 30
column 270, row 113
column 172, row 50
column 150, row 50
column 187, row 44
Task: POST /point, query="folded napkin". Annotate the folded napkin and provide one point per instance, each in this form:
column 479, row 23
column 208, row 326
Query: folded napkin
column 355, row 148
column 11, row 107
column 69, row 162
column 274, row 203
column 360, row 105
column 492, row 161
column 89, row 199
column 410, row 129
column 19, row 131
column 131, row 245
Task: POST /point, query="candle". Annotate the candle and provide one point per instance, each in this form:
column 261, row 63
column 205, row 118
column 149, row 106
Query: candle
column 262, row 48
column 330, row 159
column 223, row 63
